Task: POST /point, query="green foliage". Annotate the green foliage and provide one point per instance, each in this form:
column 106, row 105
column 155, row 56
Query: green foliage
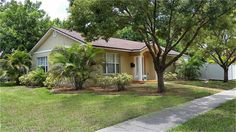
column 77, row 63
column 174, row 23
column 190, row 69
column 34, row 78
column 121, row 80
column 22, row 25
column 105, row 81
column 51, row 81
column 16, row 64
column 170, row 76
column 218, row 42
column 128, row 33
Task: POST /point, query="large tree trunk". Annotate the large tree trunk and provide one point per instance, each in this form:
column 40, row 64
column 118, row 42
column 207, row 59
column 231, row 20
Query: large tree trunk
column 160, row 80
column 226, row 79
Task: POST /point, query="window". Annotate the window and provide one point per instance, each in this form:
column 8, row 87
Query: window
column 43, row 63
column 112, row 63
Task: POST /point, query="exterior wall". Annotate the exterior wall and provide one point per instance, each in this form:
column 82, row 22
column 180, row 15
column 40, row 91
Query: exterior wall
column 125, row 59
column 50, row 43
column 149, row 67
column 215, row 72
column 58, row 40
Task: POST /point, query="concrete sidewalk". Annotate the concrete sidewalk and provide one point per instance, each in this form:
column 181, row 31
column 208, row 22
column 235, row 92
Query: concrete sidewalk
column 171, row 117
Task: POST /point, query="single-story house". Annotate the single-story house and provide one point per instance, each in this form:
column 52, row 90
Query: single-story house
column 121, row 55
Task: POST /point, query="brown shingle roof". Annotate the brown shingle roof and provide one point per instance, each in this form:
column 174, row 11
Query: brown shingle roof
column 114, row 43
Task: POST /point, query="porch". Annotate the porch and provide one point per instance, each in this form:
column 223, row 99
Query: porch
column 144, row 68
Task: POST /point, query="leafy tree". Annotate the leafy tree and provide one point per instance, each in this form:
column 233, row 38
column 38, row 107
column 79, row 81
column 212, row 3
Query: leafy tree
column 129, row 34
column 219, row 43
column 174, row 21
column 16, row 64
column 22, row 25
column 76, row 63
column 60, row 23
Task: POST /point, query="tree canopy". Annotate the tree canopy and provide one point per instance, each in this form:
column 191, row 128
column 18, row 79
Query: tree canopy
column 175, row 22
column 218, row 42
column 22, row 25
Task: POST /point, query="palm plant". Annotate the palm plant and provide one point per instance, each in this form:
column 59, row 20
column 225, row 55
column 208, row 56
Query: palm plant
column 16, row 64
column 76, row 63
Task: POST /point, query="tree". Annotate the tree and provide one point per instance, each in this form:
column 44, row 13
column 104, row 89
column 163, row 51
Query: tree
column 16, row 64
column 220, row 42
column 128, row 33
column 176, row 22
column 76, row 63
column 22, row 25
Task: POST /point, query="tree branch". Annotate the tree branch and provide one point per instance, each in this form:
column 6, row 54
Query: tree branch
column 187, row 45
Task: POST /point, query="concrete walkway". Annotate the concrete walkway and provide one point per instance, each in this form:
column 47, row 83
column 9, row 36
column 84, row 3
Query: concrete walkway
column 171, row 117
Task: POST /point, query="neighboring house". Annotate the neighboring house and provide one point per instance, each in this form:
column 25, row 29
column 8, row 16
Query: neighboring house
column 215, row 72
column 121, row 55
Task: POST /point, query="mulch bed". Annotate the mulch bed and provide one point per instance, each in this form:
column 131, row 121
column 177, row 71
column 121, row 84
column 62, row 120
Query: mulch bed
column 107, row 91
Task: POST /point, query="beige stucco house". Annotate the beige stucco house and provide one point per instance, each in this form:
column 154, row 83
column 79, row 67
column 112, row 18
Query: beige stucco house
column 120, row 55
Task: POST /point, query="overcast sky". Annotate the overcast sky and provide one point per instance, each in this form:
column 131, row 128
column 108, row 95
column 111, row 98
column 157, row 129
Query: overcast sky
column 54, row 8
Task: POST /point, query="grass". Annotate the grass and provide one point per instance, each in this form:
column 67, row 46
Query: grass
column 221, row 119
column 26, row 109
column 210, row 84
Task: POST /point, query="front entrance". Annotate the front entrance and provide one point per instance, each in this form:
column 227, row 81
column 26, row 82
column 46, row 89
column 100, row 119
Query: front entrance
column 144, row 67
column 139, row 68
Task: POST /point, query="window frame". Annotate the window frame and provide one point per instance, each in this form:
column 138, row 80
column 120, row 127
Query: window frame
column 45, row 65
column 114, row 63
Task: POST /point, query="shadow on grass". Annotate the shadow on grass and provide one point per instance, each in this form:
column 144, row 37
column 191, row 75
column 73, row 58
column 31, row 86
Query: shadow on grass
column 7, row 84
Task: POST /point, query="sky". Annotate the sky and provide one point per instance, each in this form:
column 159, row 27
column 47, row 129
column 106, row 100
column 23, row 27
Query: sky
column 54, row 8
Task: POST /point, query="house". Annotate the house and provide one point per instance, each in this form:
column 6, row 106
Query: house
column 121, row 55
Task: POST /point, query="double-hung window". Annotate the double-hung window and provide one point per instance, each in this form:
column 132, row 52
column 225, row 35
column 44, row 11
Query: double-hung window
column 112, row 63
column 43, row 63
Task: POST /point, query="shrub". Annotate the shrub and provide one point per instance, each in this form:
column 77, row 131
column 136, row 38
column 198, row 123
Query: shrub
column 34, row 78
column 53, row 81
column 121, row 80
column 189, row 70
column 15, row 64
column 170, row 76
column 77, row 63
column 50, row 81
column 105, row 81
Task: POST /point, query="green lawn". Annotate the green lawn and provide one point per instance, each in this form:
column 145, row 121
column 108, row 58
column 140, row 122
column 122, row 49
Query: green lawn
column 221, row 119
column 26, row 109
column 210, row 84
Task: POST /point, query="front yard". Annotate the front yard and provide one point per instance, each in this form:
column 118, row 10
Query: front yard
column 27, row 109
column 210, row 84
column 221, row 119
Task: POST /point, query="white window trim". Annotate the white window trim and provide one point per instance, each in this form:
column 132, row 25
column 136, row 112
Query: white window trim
column 115, row 63
column 45, row 63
